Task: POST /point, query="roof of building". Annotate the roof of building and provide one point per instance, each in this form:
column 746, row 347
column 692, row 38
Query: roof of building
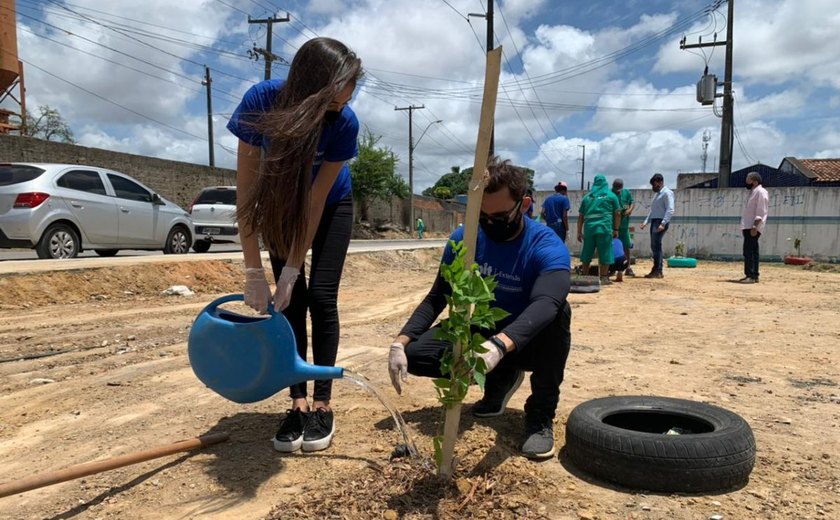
column 825, row 170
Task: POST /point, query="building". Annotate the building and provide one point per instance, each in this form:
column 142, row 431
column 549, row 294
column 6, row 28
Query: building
column 791, row 172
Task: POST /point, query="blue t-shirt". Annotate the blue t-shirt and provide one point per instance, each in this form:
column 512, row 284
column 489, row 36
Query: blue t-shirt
column 618, row 249
column 516, row 264
column 554, row 207
column 338, row 140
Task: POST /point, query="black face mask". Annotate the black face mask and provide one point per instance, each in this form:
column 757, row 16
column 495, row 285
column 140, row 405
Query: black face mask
column 502, row 229
column 331, row 116
column 749, row 186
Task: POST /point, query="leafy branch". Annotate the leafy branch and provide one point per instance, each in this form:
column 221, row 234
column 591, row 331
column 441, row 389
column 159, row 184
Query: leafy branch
column 469, row 309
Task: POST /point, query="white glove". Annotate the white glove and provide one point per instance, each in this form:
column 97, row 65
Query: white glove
column 285, row 284
column 492, row 356
column 257, row 292
column 397, row 366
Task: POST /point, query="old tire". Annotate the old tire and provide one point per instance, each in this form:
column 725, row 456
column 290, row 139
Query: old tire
column 797, row 260
column 59, row 241
column 682, row 261
column 623, row 440
column 584, row 284
column 178, row 241
column 201, row 246
column 107, row 252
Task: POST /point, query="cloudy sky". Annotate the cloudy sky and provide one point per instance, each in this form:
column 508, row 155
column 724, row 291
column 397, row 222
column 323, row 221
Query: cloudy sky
column 603, row 74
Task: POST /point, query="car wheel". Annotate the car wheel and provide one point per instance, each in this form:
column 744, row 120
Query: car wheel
column 201, row 246
column 177, row 242
column 660, row 444
column 107, row 252
column 58, row 241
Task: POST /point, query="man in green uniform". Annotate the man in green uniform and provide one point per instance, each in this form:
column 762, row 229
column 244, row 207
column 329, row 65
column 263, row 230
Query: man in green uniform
column 627, row 203
column 421, row 227
column 599, row 218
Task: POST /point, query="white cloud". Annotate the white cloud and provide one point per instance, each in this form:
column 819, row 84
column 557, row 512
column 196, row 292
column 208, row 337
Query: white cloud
column 775, row 41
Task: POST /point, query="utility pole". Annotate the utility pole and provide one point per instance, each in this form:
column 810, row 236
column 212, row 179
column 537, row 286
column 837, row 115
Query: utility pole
column 490, row 38
column 411, row 109
column 726, row 124
column 266, row 53
column 207, row 81
column 582, row 165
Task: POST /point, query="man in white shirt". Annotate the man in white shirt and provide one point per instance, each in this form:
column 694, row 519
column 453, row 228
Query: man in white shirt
column 659, row 218
column 753, row 220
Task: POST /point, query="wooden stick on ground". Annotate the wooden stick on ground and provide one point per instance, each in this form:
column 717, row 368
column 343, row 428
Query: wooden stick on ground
column 89, row 468
column 476, row 193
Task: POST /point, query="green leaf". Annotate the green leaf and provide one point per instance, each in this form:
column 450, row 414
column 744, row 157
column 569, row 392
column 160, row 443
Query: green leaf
column 441, row 382
column 480, row 378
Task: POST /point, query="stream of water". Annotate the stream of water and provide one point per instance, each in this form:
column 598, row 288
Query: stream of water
column 395, row 414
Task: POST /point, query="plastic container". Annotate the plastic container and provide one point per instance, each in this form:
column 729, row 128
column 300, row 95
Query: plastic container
column 248, row 358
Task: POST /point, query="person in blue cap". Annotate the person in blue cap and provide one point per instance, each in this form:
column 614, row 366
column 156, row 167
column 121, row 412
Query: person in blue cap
column 295, row 138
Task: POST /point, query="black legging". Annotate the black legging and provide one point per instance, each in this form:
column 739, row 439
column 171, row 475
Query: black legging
column 545, row 357
column 329, row 249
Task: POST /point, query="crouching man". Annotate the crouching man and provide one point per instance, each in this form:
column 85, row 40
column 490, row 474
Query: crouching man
column 531, row 265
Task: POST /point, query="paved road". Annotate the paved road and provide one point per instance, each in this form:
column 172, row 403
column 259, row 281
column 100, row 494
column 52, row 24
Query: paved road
column 20, row 261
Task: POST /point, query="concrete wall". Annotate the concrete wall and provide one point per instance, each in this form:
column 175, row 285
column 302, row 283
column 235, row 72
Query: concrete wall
column 707, row 221
column 439, row 216
column 178, row 181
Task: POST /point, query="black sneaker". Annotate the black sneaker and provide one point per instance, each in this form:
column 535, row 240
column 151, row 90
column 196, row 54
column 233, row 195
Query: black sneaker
column 290, row 435
column 539, row 438
column 318, row 430
column 495, row 399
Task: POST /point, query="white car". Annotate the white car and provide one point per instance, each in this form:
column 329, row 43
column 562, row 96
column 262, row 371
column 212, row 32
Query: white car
column 214, row 214
column 61, row 210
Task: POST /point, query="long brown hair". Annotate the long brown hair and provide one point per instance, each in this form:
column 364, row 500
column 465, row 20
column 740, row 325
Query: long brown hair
column 277, row 205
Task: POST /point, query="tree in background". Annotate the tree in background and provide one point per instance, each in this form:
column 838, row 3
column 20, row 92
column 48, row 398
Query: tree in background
column 374, row 174
column 456, row 182
column 49, row 125
column 451, row 184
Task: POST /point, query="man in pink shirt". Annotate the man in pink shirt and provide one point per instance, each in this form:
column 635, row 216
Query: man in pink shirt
column 753, row 220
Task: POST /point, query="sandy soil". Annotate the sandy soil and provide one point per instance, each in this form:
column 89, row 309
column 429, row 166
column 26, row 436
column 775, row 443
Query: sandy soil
column 115, row 379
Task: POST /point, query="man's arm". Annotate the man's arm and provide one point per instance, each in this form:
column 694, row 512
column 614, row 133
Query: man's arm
column 547, row 298
column 669, row 209
column 426, row 313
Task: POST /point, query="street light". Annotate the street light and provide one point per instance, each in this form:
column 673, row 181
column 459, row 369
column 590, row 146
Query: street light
column 411, row 146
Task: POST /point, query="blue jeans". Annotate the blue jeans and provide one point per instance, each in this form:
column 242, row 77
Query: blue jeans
column 656, row 242
column 560, row 229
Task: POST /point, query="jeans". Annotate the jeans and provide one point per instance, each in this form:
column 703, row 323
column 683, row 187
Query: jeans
column 656, row 242
column 560, row 229
column 750, row 254
column 320, row 298
column 545, row 357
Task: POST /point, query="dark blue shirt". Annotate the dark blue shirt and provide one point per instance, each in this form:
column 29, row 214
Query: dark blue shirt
column 517, row 263
column 337, row 143
column 555, row 206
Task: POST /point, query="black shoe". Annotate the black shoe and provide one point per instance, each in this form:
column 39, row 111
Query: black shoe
column 539, row 438
column 290, row 435
column 654, row 274
column 748, row 280
column 318, row 430
column 629, row 272
column 496, row 398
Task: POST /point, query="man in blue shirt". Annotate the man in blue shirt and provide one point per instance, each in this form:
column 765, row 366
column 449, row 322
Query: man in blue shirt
column 555, row 211
column 531, row 266
column 659, row 218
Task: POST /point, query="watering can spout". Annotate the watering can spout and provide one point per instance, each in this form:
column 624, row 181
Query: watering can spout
column 248, row 358
column 316, row 373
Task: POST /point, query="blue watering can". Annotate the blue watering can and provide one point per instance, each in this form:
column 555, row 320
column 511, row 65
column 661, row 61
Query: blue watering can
column 248, row 358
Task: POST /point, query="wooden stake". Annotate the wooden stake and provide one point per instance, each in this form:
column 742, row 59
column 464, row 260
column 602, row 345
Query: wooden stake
column 474, row 196
column 89, row 468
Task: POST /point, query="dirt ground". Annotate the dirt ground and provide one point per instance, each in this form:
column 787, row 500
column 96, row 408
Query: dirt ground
column 114, row 379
